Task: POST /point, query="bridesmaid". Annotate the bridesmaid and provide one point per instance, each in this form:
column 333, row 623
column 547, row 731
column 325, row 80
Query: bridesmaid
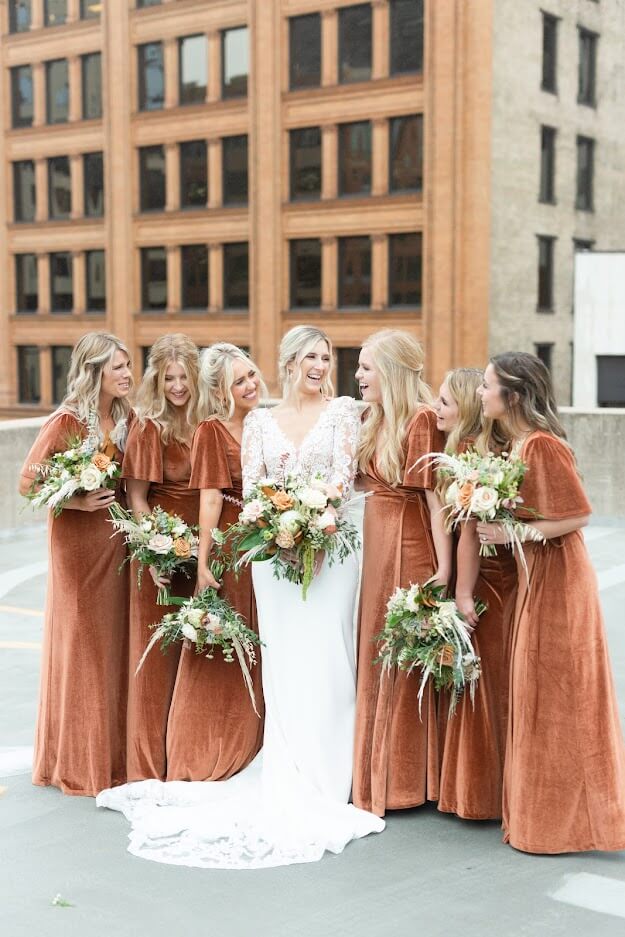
column 213, row 731
column 81, row 724
column 474, row 738
column 157, row 468
column 396, row 752
column 564, row 778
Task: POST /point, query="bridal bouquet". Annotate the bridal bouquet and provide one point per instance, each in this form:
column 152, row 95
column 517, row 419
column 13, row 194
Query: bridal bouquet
column 159, row 539
column 423, row 629
column 290, row 523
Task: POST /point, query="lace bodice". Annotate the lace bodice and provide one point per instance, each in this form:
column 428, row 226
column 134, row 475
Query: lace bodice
column 329, row 448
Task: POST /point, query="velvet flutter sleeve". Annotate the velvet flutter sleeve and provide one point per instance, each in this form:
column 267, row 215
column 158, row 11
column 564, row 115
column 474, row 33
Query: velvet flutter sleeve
column 423, row 437
column 551, row 486
column 209, row 458
column 56, row 434
column 143, row 457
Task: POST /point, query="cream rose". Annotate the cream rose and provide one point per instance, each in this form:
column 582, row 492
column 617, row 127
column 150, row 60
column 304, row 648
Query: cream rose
column 251, row 511
column 195, row 616
column 160, row 543
column 484, row 501
column 90, row 478
column 213, row 623
column 291, row 521
column 327, row 522
column 312, row 498
column 189, row 631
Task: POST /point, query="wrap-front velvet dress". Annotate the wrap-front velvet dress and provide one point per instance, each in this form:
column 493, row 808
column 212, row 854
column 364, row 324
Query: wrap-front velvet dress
column 564, row 778
column 167, row 468
column 396, row 757
column 80, row 741
column 213, row 731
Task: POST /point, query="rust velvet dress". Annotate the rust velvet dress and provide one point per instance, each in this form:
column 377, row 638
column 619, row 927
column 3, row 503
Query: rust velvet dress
column 396, row 761
column 213, row 731
column 80, row 739
column 167, row 468
column 564, row 779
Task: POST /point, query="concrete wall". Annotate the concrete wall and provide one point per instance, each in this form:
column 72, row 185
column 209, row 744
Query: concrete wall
column 16, row 438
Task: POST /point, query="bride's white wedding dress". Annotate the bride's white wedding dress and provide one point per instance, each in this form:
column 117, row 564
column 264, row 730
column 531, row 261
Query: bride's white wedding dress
column 291, row 804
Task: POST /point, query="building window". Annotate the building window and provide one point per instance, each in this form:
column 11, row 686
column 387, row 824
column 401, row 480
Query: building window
column 22, row 96
column 611, row 380
column 547, row 165
column 24, row 190
column 305, row 51
column 545, row 273
column 96, row 281
column 90, row 9
column 19, row 16
column 355, row 158
column 92, row 86
column 61, row 357
column 148, row 3
column 355, row 43
column 192, row 75
column 406, row 36
column 193, row 174
column 194, row 262
column 305, row 151
column 587, row 70
column 28, row 374
column 346, row 367
column 580, row 245
column 235, row 62
column 93, row 171
column 234, row 168
column 26, row 283
column 543, row 352
column 152, row 178
column 59, row 188
column 405, row 269
column 151, row 77
column 236, row 276
column 61, row 282
column 406, row 154
column 585, row 173
column 54, row 12
column 550, row 53
column 57, row 92
column 153, row 278
column 305, row 273
column 354, row 272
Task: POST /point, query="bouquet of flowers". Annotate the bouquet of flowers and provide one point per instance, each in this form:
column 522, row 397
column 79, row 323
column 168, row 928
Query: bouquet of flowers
column 81, row 467
column 208, row 622
column 159, row 539
column 290, row 523
column 423, row 629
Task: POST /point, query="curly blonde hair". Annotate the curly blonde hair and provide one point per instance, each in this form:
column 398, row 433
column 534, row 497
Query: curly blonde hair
column 90, row 356
column 217, row 377
column 151, row 403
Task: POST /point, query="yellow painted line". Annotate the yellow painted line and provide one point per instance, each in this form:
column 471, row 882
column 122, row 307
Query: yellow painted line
column 26, row 645
column 21, row 611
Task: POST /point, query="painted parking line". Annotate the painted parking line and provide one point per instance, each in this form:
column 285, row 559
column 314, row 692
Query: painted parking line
column 17, row 610
column 20, row 645
column 593, row 892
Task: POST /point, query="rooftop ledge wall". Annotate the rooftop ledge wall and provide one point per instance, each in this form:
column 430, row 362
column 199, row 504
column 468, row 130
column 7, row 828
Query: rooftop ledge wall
column 597, row 436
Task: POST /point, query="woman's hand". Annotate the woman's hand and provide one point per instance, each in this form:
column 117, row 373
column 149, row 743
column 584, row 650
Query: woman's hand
column 92, row 500
column 205, row 580
column 466, row 606
column 162, row 581
column 491, row 533
column 440, row 578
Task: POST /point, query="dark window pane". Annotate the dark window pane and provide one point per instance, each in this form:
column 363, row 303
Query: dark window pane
column 192, row 77
column 406, row 154
column 92, row 86
column 57, row 91
column 354, row 271
column 587, row 71
column 28, row 375
column 544, row 351
column 547, row 164
column 545, row 273
column 151, row 77
column 153, row 278
column 55, row 12
column 306, row 274
column 19, row 15
column 96, row 281
column 59, row 188
column 305, row 146
column 24, row 190
column 355, row 158
column 346, row 367
column 26, row 283
column 193, row 174
column 22, row 96
column 93, row 167
column 61, row 282
column 581, row 244
column 234, row 167
column 355, row 43
column 585, row 173
column 406, row 36
column 194, row 260
column 611, row 380
column 90, row 9
column 305, row 51
column 148, row 3
column 61, row 356
column 236, row 276
column 234, row 62
column 404, row 269
column 152, row 178
column 550, row 53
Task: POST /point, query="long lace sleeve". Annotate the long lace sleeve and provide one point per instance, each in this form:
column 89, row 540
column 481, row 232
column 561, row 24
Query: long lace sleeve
column 252, row 457
column 346, row 436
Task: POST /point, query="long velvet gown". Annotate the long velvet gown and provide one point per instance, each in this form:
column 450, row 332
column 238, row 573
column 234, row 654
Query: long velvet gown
column 81, row 722
column 167, row 468
column 564, row 779
column 396, row 758
column 213, row 731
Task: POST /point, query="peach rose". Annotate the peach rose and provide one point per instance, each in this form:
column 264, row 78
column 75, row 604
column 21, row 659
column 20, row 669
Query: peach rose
column 446, row 656
column 101, row 461
column 281, row 500
column 182, row 548
column 465, row 494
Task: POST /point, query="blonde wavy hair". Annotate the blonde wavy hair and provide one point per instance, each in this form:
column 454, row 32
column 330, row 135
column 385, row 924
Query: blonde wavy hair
column 151, row 403
column 294, row 347
column 216, row 400
column 527, row 392
column 463, row 384
column 398, row 358
column 89, row 357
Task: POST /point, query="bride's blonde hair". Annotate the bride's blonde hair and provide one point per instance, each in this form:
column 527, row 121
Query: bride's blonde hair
column 398, row 359
column 152, row 404
column 294, row 347
column 217, row 378
column 90, row 356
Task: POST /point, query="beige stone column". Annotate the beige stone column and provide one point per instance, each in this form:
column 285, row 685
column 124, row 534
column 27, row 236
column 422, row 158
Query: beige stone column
column 39, row 94
column 213, row 162
column 379, row 157
column 73, row 11
column 380, row 33
column 329, row 47
column 172, row 177
column 79, row 280
column 43, row 282
column 45, row 374
column 36, row 16
column 173, row 278
column 329, row 161
column 170, row 71
column 379, row 272
column 215, row 278
column 213, row 89
column 78, row 186
column 41, row 190
column 75, row 88
column 329, row 273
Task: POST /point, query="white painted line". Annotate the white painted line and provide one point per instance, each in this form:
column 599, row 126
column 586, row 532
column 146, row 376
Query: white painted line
column 18, row 760
column 594, row 892
column 611, row 577
column 15, row 577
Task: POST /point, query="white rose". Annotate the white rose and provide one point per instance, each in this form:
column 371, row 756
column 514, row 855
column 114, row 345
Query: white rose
column 189, row 631
column 146, row 526
column 484, row 501
column 160, row 543
column 451, row 495
column 212, row 621
column 318, row 484
column 327, row 519
column 251, row 511
column 195, row 616
column 411, row 599
column 313, row 498
column 291, row 521
column 90, row 478
column 179, row 530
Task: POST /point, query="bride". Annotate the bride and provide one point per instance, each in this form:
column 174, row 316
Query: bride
column 291, row 804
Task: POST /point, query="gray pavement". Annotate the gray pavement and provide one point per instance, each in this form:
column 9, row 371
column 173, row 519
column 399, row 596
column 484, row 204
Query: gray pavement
column 426, row 874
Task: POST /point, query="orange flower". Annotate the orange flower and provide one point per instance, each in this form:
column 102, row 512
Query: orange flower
column 268, row 491
column 465, row 494
column 101, row 461
column 182, row 548
column 282, row 501
column 446, row 656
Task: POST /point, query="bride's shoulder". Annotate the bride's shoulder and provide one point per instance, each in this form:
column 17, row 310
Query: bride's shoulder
column 255, row 418
column 344, row 407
